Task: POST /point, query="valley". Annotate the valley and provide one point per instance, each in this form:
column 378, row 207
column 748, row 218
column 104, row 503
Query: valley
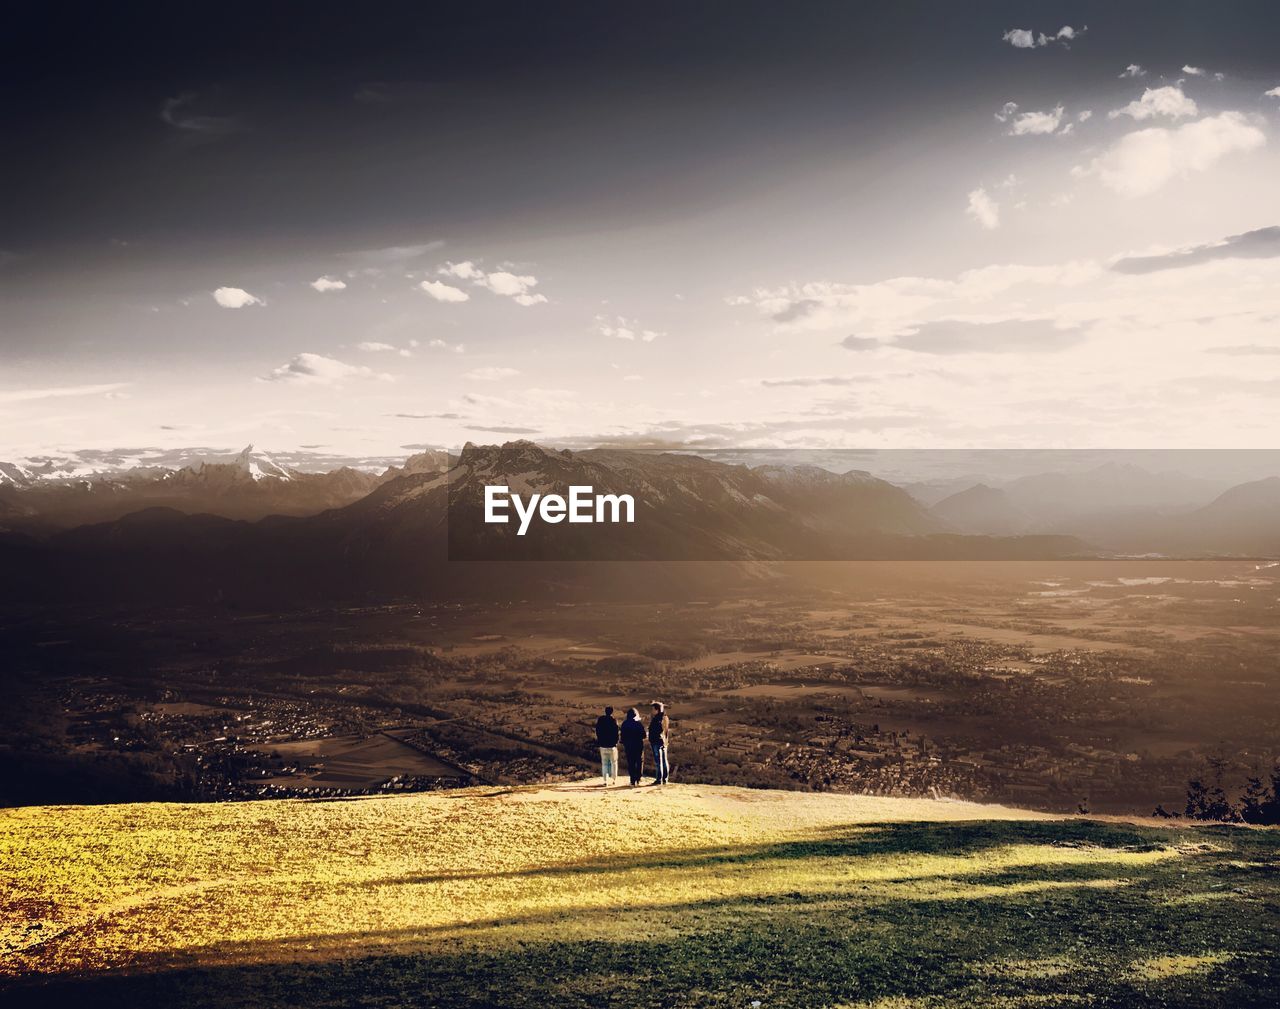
column 1053, row 685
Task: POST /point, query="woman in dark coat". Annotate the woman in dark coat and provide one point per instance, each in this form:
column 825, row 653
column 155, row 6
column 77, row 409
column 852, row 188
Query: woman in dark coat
column 633, row 739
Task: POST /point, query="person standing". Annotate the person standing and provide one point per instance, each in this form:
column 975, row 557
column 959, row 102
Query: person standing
column 659, row 729
column 633, row 736
column 607, row 740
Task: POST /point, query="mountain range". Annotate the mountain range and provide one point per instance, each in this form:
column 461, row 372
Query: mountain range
column 250, row 485
column 247, row 526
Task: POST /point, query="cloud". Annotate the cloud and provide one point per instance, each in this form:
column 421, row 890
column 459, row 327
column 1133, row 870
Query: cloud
column 456, row 348
column 235, row 297
column 983, row 209
column 425, row 416
column 517, row 287
column 374, row 345
column 1245, row 350
column 1202, row 72
column 1004, row 336
column 176, row 112
column 1133, row 70
column 621, row 328
column 861, row 343
column 1273, row 93
column 323, row 284
column 466, row 270
column 1167, row 101
column 886, row 308
column 1025, row 38
column 500, row 429
column 775, row 383
column 391, row 255
column 1023, row 124
column 1144, row 161
column 490, row 374
column 316, row 369
column 444, row 292
column 59, row 392
column 1263, row 243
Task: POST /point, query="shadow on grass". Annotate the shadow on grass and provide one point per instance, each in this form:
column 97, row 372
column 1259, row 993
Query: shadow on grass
column 796, row 950
column 964, row 839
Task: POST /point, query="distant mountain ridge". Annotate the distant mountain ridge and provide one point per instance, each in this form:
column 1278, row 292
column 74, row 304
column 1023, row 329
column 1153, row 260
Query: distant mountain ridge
column 408, row 534
column 248, row 485
column 401, row 532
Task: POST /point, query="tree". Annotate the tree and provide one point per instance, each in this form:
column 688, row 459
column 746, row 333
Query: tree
column 1253, row 800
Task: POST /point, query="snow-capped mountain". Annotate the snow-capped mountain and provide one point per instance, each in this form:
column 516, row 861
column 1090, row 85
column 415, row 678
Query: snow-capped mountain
column 250, row 484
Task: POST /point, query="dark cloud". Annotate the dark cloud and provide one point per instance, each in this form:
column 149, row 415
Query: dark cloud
column 427, row 416
column 1008, row 336
column 862, row 343
column 1263, row 243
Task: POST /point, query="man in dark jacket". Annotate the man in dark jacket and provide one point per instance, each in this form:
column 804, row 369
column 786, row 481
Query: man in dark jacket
column 659, row 729
column 633, row 736
column 607, row 740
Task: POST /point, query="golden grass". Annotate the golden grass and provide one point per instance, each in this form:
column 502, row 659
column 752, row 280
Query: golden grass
column 150, row 887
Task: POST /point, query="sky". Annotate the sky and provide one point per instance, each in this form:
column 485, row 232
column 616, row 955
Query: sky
column 356, row 231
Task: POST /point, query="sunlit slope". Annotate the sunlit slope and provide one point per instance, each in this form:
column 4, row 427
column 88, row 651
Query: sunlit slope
column 687, row 895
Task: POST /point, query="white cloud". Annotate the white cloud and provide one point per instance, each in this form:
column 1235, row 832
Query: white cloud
column 457, row 348
column 491, row 374
column 1145, row 160
column 1020, row 38
column 517, row 287
column 1133, row 70
column 983, row 209
column 621, row 328
column 59, row 392
column 1166, row 101
column 466, row 270
column 235, row 297
column 316, row 369
column 1032, row 123
column 323, row 284
column 444, row 292
column 1084, row 116
column 373, row 345
column 508, row 284
column 1273, row 93
column 1025, row 38
column 1194, row 71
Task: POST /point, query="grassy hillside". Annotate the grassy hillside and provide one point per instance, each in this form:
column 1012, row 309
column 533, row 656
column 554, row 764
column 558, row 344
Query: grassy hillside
column 574, row 896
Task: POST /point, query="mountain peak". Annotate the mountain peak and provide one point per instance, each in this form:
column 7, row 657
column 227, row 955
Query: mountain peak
column 509, row 455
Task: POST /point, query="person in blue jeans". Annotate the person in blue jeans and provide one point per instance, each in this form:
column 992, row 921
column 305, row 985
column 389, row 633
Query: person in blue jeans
column 607, row 740
column 659, row 731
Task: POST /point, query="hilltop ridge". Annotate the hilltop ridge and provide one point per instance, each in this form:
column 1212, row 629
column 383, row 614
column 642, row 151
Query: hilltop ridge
column 574, row 895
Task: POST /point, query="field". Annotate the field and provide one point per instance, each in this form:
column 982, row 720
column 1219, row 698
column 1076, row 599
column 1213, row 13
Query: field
column 575, row 895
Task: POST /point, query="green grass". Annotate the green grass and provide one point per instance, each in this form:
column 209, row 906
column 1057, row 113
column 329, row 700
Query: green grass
column 689, row 896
